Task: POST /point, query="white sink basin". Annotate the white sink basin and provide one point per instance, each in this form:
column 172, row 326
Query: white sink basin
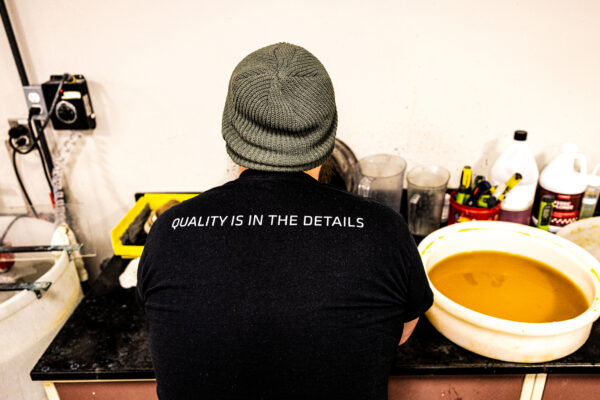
column 28, row 324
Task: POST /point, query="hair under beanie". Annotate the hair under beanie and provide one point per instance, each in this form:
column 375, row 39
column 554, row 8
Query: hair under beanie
column 280, row 112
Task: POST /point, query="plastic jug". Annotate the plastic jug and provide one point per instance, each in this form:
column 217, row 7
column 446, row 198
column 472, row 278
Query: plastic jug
column 561, row 179
column 517, row 205
column 591, row 194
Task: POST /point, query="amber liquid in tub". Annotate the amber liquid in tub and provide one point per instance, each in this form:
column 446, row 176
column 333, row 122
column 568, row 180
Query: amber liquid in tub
column 508, row 286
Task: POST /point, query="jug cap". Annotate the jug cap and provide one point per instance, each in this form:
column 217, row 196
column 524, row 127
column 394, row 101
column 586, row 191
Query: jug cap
column 520, row 135
column 569, row 148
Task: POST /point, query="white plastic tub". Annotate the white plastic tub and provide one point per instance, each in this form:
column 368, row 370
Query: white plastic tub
column 502, row 339
column 28, row 324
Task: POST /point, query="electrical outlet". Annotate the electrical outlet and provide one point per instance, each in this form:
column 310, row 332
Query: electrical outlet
column 34, row 96
column 19, row 134
column 14, row 122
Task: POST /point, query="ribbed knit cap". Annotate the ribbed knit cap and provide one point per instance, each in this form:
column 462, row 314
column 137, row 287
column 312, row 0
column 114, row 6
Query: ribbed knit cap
column 280, row 112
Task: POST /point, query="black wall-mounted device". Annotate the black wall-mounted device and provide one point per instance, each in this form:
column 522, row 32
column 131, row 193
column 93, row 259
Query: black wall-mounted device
column 73, row 109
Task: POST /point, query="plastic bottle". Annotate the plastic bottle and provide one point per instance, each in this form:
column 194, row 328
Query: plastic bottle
column 518, row 203
column 591, row 194
column 561, row 179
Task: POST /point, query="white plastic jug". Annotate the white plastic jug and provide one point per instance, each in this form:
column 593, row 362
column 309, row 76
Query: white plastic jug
column 517, row 205
column 562, row 179
column 591, row 194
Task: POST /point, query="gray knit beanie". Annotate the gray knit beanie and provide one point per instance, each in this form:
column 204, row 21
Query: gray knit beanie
column 280, row 112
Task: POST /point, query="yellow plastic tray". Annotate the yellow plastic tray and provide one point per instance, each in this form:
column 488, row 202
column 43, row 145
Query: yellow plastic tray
column 154, row 200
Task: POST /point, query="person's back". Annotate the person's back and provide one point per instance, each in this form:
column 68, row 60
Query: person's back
column 276, row 286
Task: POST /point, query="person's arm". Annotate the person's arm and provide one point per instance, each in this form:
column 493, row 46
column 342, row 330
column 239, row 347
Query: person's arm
column 417, row 296
column 409, row 327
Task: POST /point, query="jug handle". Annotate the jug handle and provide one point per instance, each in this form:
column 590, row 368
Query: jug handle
column 582, row 163
column 413, row 203
column 596, row 169
column 364, row 186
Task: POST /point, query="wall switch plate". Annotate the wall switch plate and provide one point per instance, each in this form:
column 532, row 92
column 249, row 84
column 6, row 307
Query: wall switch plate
column 35, row 98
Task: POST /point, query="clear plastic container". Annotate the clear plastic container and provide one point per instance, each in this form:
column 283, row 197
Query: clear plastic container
column 426, row 192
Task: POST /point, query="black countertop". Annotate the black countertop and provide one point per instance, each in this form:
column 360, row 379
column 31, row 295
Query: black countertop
column 105, row 338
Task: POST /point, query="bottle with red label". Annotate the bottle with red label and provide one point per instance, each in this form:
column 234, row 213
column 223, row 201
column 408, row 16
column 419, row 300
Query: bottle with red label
column 565, row 177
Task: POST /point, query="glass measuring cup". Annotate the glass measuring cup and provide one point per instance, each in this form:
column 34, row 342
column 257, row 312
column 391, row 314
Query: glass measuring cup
column 381, row 177
column 426, row 190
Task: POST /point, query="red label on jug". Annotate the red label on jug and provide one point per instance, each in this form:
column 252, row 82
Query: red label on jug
column 566, row 207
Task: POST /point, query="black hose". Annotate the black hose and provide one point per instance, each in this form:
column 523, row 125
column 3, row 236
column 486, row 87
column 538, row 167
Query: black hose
column 14, row 163
column 8, row 228
column 13, row 44
column 37, row 147
column 65, row 77
column 43, row 148
column 40, row 141
column 41, row 137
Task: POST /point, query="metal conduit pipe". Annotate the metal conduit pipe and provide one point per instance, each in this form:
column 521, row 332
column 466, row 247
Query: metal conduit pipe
column 13, row 43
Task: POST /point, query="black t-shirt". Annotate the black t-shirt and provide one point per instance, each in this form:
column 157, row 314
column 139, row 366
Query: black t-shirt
column 276, row 286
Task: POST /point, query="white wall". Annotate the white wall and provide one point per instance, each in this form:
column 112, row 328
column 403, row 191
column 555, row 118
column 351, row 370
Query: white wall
column 436, row 81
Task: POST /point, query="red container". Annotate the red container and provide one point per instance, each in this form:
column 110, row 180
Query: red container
column 463, row 213
column 7, row 260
